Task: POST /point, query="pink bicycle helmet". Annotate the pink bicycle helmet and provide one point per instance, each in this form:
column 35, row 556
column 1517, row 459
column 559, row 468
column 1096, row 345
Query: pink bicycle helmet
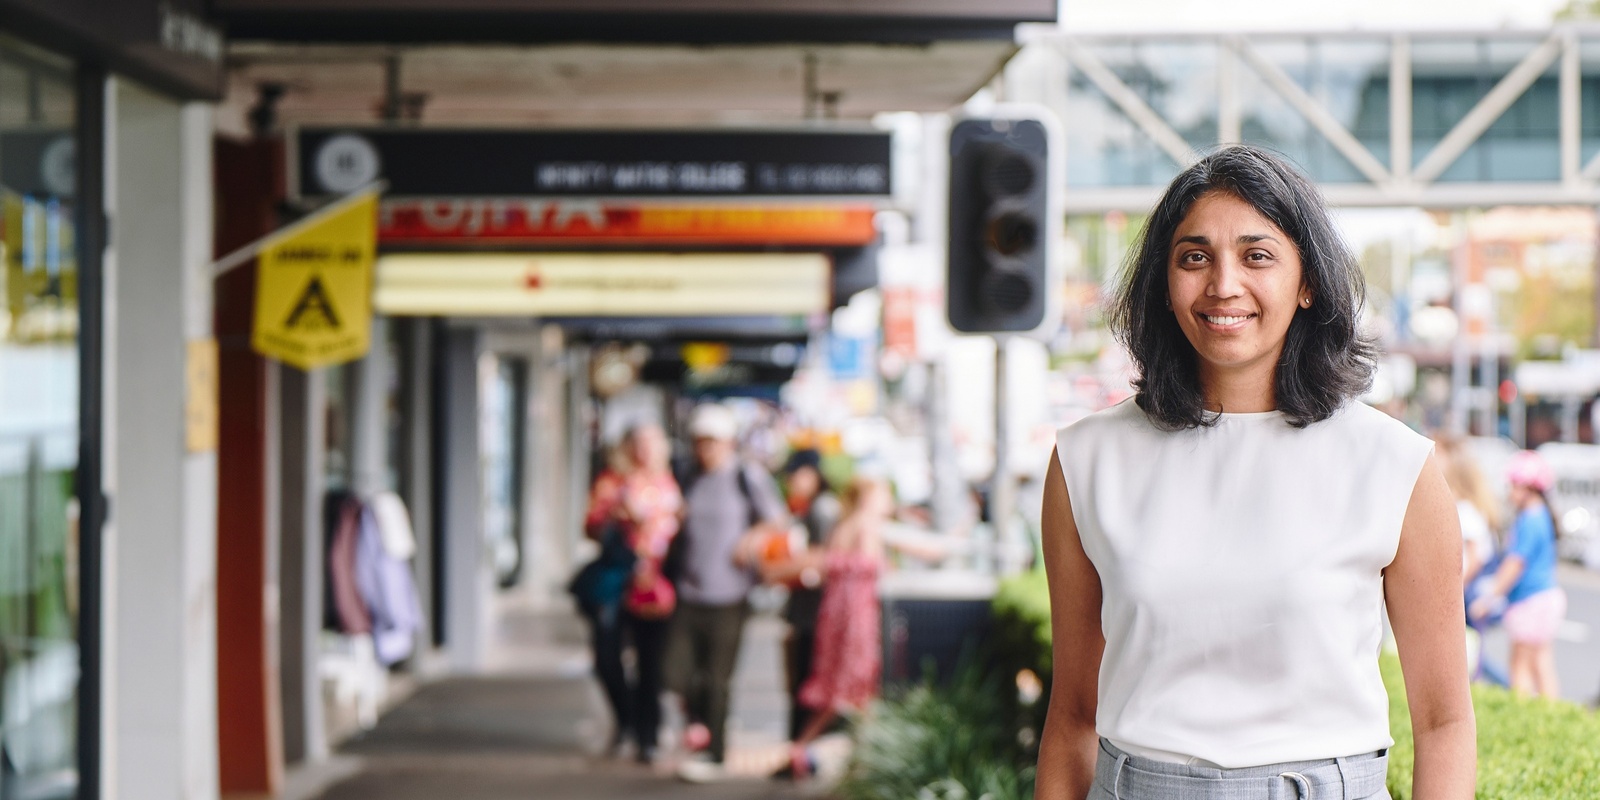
column 1528, row 469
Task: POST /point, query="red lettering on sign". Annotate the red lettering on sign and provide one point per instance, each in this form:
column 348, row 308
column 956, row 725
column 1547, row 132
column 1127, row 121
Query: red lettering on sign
column 505, row 221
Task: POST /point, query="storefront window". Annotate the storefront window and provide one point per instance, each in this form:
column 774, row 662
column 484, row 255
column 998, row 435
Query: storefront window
column 502, row 432
column 38, row 427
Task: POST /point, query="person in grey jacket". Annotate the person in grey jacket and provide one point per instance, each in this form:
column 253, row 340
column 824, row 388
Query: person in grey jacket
column 729, row 505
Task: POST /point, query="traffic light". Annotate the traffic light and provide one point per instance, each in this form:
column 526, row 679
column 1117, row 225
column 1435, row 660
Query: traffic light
column 1003, row 224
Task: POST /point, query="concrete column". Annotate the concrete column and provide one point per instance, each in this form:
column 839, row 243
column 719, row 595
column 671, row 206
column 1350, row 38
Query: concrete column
column 468, row 588
column 577, row 443
column 302, row 399
column 161, row 575
column 416, row 462
column 368, row 398
column 549, row 553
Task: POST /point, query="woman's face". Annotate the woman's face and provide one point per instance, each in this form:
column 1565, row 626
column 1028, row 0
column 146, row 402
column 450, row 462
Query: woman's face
column 1235, row 283
column 804, row 482
column 648, row 448
column 877, row 500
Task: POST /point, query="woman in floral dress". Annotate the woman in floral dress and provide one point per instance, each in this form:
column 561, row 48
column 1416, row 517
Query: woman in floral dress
column 849, row 644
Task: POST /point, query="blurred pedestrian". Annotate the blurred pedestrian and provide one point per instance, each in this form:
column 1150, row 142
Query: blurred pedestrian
column 1478, row 511
column 1219, row 549
column 849, row 646
column 813, row 505
column 728, row 503
column 1476, row 506
column 633, row 507
column 1524, row 582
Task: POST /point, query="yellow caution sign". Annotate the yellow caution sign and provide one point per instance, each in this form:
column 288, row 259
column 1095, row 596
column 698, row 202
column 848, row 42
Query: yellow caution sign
column 314, row 287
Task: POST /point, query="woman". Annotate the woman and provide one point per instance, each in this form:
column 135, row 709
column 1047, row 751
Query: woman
column 1524, row 583
column 1479, row 514
column 1476, row 507
column 635, row 505
column 813, row 505
column 848, row 656
column 1220, row 548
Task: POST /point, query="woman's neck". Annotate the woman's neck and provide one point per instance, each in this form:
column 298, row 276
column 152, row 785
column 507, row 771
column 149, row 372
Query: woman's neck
column 1238, row 391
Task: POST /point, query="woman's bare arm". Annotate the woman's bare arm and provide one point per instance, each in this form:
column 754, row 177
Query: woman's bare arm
column 1068, row 744
column 1424, row 597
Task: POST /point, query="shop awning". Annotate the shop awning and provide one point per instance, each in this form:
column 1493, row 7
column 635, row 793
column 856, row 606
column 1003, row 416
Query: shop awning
column 602, row 284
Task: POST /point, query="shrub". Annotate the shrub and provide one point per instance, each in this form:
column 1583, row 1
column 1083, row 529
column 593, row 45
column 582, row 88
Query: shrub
column 1526, row 748
column 1022, row 622
column 972, row 740
column 955, row 742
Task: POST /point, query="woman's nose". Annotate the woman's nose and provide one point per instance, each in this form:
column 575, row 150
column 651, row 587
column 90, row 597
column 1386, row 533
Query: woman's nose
column 1226, row 277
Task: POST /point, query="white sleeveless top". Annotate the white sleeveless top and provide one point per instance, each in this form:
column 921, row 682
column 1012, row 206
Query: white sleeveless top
column 1242, row 574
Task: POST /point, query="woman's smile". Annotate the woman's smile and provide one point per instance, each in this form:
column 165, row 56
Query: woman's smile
column 1226, row 320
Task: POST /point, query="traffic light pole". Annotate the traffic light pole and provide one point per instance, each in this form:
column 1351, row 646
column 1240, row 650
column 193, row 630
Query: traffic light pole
column 1002, row 485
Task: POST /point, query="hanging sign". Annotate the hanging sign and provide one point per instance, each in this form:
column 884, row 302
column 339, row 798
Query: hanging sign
column 314, row 288
column 602, row 284
column 710, row 163
column 534, row 221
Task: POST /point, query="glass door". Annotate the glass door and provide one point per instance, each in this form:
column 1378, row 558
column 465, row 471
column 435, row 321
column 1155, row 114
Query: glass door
column 38, row 427
column 503, row 433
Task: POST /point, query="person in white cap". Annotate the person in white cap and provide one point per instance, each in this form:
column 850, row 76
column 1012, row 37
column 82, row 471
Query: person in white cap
column 727, row 504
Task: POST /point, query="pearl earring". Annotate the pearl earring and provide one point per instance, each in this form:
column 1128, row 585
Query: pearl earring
column 1305, row 302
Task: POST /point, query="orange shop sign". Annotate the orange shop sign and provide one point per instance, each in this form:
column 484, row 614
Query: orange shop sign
column 538, row 221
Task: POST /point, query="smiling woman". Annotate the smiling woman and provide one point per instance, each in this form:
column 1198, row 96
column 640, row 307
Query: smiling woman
column 1236, row 235
column 1221, row 548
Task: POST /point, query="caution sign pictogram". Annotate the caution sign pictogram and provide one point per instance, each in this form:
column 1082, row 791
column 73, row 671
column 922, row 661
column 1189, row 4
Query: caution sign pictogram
column 314, row 288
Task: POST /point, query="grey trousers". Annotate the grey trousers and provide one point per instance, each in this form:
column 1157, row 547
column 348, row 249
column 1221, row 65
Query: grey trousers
column 1119, row 776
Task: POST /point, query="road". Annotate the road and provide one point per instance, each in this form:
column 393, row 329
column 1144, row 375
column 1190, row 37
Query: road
column 1578, row 643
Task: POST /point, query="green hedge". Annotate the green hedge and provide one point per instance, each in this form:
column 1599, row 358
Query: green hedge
column 1022, row 622
column 955, row 742
column 1526, row 748
column 974, row 739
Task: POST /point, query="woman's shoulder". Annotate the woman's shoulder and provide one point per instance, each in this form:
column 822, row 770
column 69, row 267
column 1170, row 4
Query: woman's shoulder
column 1361, row 424
column 1356, row 414
column 1118, row 428
column 1387, row 453
column 1121, row 417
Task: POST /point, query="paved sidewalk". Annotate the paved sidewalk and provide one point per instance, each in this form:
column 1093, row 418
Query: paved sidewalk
column 537, row 733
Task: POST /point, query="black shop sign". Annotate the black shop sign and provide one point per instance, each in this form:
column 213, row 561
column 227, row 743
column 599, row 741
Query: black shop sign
column 696, row 163
column 173, row 45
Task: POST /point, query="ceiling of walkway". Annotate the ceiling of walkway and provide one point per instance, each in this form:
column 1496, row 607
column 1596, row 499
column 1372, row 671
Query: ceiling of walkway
column 654, row 85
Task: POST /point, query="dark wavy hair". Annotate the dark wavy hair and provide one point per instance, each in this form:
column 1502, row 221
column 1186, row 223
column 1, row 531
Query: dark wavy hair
column 1326, row 360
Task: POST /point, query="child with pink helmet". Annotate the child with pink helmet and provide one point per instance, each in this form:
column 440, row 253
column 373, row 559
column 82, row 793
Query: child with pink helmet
column 1525, row 579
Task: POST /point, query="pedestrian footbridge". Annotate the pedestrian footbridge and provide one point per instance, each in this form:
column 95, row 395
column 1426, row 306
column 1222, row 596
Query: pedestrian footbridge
column 1436, row 119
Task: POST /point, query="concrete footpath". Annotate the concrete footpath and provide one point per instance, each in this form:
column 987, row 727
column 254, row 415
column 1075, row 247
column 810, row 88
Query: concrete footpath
column 535, row 728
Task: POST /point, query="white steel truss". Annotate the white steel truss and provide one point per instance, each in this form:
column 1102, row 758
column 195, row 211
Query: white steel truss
column 1397, row 183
